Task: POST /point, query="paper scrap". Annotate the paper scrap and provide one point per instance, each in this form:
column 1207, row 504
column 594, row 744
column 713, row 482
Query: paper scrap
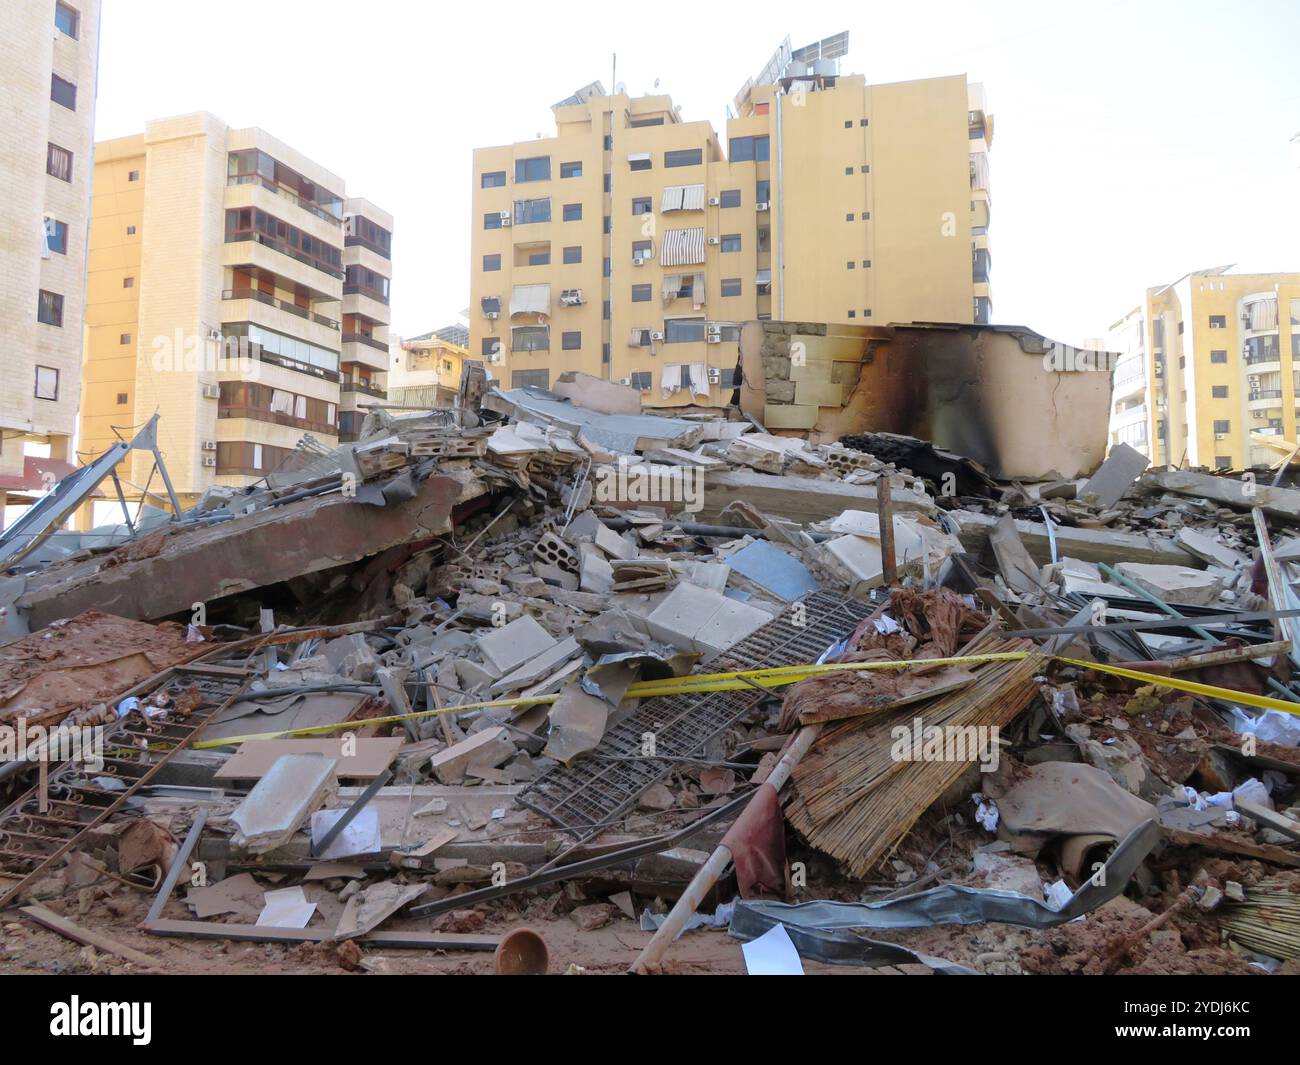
column 772, row 954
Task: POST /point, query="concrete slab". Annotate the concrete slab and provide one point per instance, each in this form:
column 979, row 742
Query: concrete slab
column 773, row 569
column 486, row 749
column 1115, row 476
column 1210, row 550
column 510, row 646
column 1175, row 584
column 282, row 800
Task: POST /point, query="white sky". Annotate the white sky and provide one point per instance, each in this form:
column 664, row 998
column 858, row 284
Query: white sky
column 1135, row 140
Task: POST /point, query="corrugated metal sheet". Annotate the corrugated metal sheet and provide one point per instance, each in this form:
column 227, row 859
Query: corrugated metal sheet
column 682, row 198
column 683, row 247
column 530, row 299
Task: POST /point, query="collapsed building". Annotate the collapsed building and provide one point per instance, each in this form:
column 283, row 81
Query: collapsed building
column 884, row 666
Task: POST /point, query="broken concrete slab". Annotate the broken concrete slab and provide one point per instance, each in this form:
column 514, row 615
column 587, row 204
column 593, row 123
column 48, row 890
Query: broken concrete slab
column 539, row 667
column 282, row 800
column 510, row 646
column 1123, row 466
column 1175, row 584
column 489, row 749
column 785, row 577
column 1210, row 550
column 1018, row 570
column 801, row 499
column 1091, row 545
column 1242, row 494
column 697, row 619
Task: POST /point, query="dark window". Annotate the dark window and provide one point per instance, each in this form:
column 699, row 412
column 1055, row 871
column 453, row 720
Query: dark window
column 683, row 330
column 848, row 170
column 606, row 224
column 67, row 20
column 128, row 282
column 47, row 382
column 1219, row 391
column 535, row 169
column 731, row 242
column 848, row 123
column 573, row 254
column 49, row 308
column 530, row 379
column 527, row 211
column 134, row 175
column 642, row 205
column 573, row 212
column 489, row 346
column 640, row 164
column 731, row 286
column 730, row 197
column 642, row 293
column 56, row 235
column 571, row 341
column 531, row 338
column 642, row 249
column 130, row 231
column 491, row 262
column 604, row 353
column 122, row 399
column 865, row 168
column 763, row 191
column 853, row 314
column 604, row 267
column 1222, row 425
column 1218, row 356
column 604, row 310
column 864, row 122
column 641, row 380
column 1180, row 328
column 58, row 162
column 493, row 179
column 866, row 264
column 747, row 149
column 1223, row 462
column 866, row 217
column 568, row 170
column 1218, row 321
column 63, row 92
column 609, row 141
column 849, row 217
column 539, row 258
column 125, row 338
column 492, row 220
column 609, row 182
column 684, row 157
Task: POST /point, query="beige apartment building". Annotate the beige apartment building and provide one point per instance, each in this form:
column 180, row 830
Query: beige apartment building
column 235, row 289
column 632, row 244
column 1209, row 370
column 49, row 57
column 425, row 370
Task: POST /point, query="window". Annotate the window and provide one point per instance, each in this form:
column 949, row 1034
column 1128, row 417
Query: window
column 535, row 169
column 58, row 162
column 683, row 330
column 642, row 293
column 489, row 347
column 1218, row 356
column 731, row 242
column 731, row 286
column 604, row 267
column 573, row 254
column 573, row 212
column 134, row 175
column 122, row 399
column 530, row 379
column 642, row 205
column 1222, row 425
column 528, row 211
column 748, row 149
column 684, row 157
column 1180, row 328
column 130, row 231
column 531, row 338
column 540, row 258
column 730, row 197
column 866, row 217
column 641, row 161
column 492, row 220
column 56, row 235
column 47, row 382
column 642, row 249
column 571, row 341
column 492, row 179
column 609, row 179
column 124, row 338
column 848, row 170
column 763, row 191
column 641, row 380
column 849, row 217
column 128, row 282
column 63, row 92
column 67, row 20
column 604, row 310
column 864, row 122
column 491, row 262
column 568, row 170
column 852, row 314
column 1219, row 391
column 1223, row 462
column 605, row 224
column 1218, row 321
column 848, row 123
column 49, row 308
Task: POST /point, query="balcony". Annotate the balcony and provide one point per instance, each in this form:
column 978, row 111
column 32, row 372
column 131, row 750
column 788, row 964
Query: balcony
column 259, row 414
column 361, row 338
column 364, row 389
column 284, row 305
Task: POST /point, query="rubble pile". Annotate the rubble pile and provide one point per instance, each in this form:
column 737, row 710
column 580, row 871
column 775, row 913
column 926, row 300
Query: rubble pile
column 549, row 661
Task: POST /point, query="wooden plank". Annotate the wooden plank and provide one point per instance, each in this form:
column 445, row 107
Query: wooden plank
column 377, row 938
column 55, row 923
column 368, row 759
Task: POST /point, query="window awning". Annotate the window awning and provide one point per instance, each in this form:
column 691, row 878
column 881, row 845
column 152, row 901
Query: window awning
column 682, row 198
column 530, row 299
column 639, row 157
column 683, row 247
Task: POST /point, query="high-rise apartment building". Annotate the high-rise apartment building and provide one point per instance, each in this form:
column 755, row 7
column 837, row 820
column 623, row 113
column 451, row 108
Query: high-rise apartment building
column 1209, row 369
column 236, row 290
column 49, row 54
column 632, row 244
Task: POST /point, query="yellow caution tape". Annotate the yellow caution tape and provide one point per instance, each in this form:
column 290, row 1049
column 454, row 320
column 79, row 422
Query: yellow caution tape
column 777, row 677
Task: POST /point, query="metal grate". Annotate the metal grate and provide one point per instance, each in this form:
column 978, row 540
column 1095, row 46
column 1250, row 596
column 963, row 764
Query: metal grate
column 584, row 797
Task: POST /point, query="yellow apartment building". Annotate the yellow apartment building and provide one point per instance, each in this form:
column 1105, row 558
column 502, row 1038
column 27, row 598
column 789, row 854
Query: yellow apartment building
column 425, row 371
column 1208, row 370
column 632, row 244
column 49, row 51
column 235, row 289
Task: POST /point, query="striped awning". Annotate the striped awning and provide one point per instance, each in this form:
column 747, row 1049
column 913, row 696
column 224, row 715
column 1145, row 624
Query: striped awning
column 530, row 299
column 682, row 198
column 682, row 247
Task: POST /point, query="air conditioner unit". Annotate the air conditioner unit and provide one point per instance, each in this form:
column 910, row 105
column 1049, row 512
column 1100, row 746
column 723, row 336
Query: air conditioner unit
column 655, row 336
column 1220, row 436
column 505, row 218
column 640, row 260
column 715, row 201
column 491, row 316
column 211, row 391
column 209, row 460
column 571, row 297
column 715, row 240
column 713, row 338
column 715, row 375
column 1257, row 414
column 762, row 205
column 712, row 329
column 209, row 445
column 625, row 381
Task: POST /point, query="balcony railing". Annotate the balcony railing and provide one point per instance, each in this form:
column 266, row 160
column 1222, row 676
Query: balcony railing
column 1271, row 393
column 285, row 194
column 293, row 364
column 259, row 414
column 364, row 389
column 361, row 338
column 362, row 290
column 285, row 249
column 284, row 305
column 361, row 242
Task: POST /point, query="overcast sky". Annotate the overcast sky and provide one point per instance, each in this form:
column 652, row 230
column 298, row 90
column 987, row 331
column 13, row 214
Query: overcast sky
column 1135, row 141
